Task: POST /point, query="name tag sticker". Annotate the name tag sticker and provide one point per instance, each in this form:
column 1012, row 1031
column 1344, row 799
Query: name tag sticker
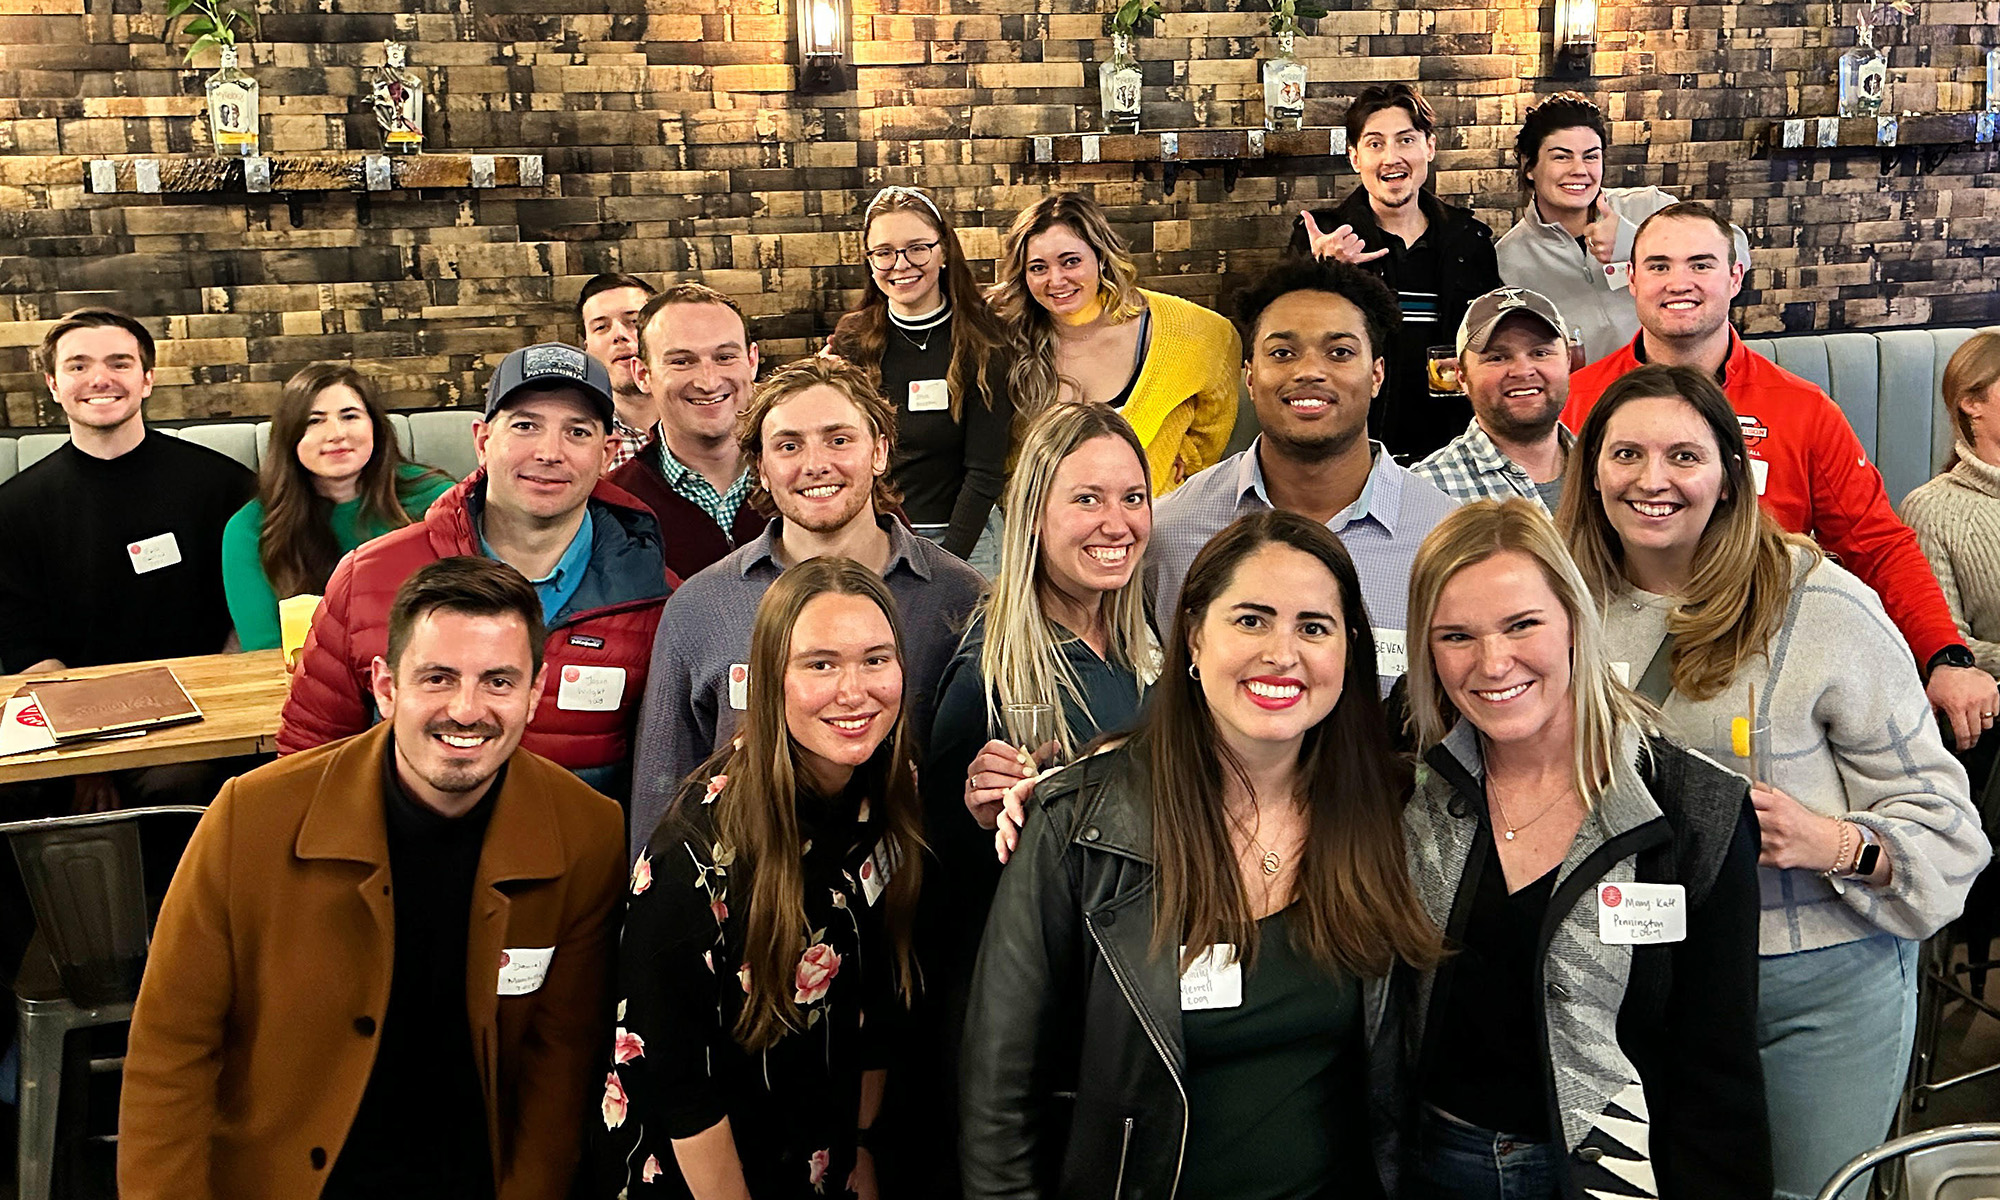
column 929, row 395
column 1392, row 654
column 1213, row 980
column 522, row 971
column 153, row 553
column 1759, row 472
column 1618, row 275
column 739, row 686
column 1641, row 914
column 591, row 689
column 876, row 872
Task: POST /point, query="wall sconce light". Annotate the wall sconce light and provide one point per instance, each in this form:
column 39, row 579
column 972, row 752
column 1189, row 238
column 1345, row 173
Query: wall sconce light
column 822, row 41
column 1576, row 30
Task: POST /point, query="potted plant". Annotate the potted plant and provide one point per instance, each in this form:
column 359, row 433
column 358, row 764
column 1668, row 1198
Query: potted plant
column 1118, row 79
column 1285, row 75
column 232, row 95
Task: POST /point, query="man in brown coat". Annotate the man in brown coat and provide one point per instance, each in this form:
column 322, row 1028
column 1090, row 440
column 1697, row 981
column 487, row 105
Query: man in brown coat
column 381, row 968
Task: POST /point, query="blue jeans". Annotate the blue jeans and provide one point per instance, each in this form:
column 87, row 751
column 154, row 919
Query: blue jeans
column 1834, row 1030
column 1456, row 1161
column 985, row 556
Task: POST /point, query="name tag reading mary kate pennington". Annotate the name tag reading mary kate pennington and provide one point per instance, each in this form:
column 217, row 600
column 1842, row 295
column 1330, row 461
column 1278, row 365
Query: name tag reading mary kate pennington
column 1641, row 914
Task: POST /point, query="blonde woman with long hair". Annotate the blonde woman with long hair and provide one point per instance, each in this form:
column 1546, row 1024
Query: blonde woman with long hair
column 1086, row 331
column 767, row 944
column 1564, row 1047
column 1766, row 655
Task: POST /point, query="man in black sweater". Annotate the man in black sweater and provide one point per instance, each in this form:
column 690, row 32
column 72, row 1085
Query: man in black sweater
column 1436, row 257
column 111, row 547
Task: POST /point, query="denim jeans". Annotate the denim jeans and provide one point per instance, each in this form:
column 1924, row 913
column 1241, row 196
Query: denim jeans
column 1834, row 1030
column 1456, row 1161
column 985, row 556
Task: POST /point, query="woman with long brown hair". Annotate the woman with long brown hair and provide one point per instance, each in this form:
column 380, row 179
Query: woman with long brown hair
column 1195, row 938
column 1084, row 330
column 1765, row 654
column 924, row 333
column 333, row 477
column 766, row 953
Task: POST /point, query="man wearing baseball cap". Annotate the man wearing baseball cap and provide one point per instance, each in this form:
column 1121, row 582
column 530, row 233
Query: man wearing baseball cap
column 536, row 503
column 1514, row 364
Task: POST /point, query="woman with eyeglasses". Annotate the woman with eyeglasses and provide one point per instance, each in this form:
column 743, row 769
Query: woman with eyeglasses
column 924, row 332
column 1085, row 330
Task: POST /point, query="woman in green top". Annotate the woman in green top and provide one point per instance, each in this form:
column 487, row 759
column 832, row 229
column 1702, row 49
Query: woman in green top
column 342, row 481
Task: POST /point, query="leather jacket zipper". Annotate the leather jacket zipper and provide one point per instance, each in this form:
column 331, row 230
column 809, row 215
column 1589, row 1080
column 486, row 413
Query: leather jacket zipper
column 1159, row 1047
column 1124, row 1148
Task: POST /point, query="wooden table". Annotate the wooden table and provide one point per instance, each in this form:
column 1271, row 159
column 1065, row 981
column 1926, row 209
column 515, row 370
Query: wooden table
column 240, row 696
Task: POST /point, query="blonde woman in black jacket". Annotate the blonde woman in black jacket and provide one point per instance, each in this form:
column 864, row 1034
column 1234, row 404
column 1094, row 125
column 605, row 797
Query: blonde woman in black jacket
column 1180, row 988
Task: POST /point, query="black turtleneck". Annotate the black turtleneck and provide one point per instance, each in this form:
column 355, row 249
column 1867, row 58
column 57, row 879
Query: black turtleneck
column 421, row 1128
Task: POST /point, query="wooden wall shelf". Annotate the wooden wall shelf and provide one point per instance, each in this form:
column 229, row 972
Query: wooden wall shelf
column 1882, row 133
column 1187, row 145
column 186, row 173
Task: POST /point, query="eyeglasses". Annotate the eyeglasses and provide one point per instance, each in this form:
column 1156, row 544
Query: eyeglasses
column 916, row 254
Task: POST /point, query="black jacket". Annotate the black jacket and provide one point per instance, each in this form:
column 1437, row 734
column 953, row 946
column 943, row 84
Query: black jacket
column 1406, row 417
column 1673, row 1023
column 1072, row 1080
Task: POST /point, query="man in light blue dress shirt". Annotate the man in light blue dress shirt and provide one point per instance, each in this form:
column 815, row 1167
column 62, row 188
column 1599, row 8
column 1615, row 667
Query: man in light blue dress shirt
column 1314, row 335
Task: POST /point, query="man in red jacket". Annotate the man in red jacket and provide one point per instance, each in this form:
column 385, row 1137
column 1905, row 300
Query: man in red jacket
column 593, row 553
column 1810, row 470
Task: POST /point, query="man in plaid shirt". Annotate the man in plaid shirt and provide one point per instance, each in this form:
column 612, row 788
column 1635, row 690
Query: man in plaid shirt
column 1514, row 364
column 608, row 309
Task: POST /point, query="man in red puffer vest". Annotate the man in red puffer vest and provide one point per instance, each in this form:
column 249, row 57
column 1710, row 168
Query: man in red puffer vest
column 592, row 551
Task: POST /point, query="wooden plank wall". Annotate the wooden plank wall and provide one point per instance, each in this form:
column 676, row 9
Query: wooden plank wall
column 676, row 145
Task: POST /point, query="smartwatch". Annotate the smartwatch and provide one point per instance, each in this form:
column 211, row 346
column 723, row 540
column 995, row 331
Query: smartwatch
column 1869, row 855
column 1951, row 656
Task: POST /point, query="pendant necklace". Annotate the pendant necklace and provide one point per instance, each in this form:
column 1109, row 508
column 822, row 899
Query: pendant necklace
column 1512, row 828
column 1272, row 863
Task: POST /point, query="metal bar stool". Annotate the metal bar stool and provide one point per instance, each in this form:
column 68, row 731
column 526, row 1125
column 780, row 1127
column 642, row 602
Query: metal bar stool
column 1928, row 1167
column 86, row 884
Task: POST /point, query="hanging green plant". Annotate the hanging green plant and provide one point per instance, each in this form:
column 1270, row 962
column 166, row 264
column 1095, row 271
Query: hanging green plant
column 1132, row 13
column 1286, row 15
column 209, row 23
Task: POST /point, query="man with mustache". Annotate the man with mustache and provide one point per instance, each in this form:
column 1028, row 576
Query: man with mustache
column 608, row 309
column 697, row 362
column 381, row 968
column 1434, row 256
column 1809, row 468
column 1314, row 333
column 592, row 551
column 111, row 546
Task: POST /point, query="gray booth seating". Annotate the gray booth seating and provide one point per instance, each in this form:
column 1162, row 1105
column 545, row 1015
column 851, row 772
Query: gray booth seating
column 1888, row 383
column 436, row 437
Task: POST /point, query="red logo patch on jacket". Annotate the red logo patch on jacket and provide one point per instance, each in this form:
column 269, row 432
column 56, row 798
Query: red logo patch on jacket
column 1754, row 430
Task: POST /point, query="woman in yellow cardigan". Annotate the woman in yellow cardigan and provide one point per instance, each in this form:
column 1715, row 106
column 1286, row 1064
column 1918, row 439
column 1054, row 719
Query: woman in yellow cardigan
column 1087, row 331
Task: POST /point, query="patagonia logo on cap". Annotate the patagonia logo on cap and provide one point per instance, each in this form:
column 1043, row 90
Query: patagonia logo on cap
column 552, row 359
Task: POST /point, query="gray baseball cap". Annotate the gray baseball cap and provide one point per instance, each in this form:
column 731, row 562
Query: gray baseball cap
column 1484, row 315
column 546, row 367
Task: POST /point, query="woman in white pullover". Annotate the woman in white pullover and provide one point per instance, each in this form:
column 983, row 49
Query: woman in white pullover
column 1869, row 839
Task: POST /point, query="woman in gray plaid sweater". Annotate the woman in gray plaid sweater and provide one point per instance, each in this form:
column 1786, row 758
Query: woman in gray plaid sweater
column 1767, row 656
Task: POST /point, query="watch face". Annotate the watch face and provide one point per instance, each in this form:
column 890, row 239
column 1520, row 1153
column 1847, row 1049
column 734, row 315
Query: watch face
column 1865, row 865
column 1955, row 656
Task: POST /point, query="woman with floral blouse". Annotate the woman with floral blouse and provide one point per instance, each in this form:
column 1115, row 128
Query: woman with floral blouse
column 766, row 956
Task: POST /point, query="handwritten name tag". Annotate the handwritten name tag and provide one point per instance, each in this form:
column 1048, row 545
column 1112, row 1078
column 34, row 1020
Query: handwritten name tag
column 1641, row 914
column 522, row 971
column 1213, row 980
column 150, row 554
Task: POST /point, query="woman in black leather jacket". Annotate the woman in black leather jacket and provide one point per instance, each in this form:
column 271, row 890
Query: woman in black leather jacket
column 1179, row 989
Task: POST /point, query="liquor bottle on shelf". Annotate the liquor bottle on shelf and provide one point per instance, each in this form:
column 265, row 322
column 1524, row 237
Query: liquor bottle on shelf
column 1864, row 76
column 1993, row 79
column 232, row 108
column 397, row 97
column 1284, row 87
column 1118, row 85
